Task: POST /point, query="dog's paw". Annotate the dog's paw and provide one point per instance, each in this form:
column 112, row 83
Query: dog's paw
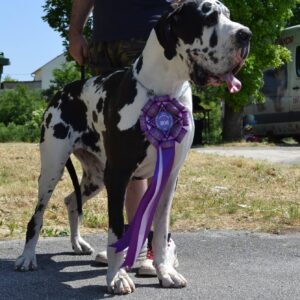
column 120, row 283
column 81, row 247
column 26, row 262
column 169, row 277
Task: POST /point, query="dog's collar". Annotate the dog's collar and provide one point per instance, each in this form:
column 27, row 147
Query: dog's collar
column 151, row 93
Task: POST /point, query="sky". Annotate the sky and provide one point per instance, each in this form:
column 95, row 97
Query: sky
column 25, row 38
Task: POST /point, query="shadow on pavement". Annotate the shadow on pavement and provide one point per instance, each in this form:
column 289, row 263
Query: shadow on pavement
column 53, row 279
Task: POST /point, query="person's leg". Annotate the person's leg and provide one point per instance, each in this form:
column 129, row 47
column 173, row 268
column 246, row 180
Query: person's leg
column 134, row 193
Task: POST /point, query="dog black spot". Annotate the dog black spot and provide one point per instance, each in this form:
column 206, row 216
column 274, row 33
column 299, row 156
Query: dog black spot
column 100, row 105
column 42, row 138
column 89, row 189
column 195, row 52
column 213, row 41
column 165, row 36
column 206, row 7
column 73, row 110
column 61, row 131
column 95, row 117
column 91, row 138
column 55, row 100
column 199, row 75
column 181, row 56
column 118, row 98
column 30, row 230
column 48, row 120
column 139, row 64
column 211, row 19
column 205, row 50
column 214, row 59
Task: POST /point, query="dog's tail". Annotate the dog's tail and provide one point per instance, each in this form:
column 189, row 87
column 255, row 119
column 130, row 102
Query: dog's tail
column 74, row 178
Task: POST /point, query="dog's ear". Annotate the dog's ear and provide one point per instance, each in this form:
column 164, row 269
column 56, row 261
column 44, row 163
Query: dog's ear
column 165, row 34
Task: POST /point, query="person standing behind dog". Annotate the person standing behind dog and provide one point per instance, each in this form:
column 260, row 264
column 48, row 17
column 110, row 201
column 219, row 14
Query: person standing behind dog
column 120, row 30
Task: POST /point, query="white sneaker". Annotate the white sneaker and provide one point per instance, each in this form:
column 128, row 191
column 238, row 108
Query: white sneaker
column 147, row 268
column 101, row 257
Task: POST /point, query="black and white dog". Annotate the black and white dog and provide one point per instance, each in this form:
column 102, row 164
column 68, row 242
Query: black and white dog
column 98, row 121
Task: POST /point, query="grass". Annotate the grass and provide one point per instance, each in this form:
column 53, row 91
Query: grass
column 213, row 192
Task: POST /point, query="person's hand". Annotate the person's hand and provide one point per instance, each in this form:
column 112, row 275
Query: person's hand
column 78, row 48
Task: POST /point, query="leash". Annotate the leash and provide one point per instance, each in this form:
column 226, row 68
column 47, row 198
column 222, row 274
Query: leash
column 82, row 73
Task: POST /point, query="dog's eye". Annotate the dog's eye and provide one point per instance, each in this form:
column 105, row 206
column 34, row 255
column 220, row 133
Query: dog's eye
column 206, row 7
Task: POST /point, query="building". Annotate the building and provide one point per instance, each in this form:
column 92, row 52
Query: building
column 44, row 74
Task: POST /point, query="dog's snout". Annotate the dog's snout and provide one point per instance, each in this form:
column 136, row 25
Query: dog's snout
column 243, row 36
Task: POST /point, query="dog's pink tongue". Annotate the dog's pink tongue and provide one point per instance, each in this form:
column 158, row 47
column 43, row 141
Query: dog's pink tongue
column 233, row 84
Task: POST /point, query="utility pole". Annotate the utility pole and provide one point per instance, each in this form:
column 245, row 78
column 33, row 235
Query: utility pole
column 3, row 62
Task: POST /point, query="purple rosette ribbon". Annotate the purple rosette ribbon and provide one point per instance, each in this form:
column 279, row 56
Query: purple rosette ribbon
column 163, row 120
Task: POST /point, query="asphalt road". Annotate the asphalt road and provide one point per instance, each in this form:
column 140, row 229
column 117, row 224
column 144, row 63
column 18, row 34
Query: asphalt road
column 276, row 154
column 217, row 264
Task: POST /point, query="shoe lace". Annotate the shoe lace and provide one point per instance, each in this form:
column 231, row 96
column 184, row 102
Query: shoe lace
column 150, row 254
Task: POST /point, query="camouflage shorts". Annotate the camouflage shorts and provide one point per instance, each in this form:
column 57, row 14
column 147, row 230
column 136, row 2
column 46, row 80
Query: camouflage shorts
column 105, row 57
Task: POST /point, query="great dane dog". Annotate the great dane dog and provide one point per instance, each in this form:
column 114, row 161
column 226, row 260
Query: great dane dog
column 98, row 121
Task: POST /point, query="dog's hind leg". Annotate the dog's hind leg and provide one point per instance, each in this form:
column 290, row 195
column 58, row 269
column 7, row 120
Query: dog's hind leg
column 118, row 281
column 91, row 184
column 166, row 273
column 54, row 154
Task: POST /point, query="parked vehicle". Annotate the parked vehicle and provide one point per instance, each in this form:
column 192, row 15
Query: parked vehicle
column 279, row 115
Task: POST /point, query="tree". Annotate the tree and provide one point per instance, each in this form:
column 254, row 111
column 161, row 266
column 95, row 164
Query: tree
column 295, row 20
column 8, row 78
column 57, row 15
column 265, row 18
column 17, row 105
column 62, row 76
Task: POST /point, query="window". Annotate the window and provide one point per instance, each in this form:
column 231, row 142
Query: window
column 275, row 81
column 298, row 61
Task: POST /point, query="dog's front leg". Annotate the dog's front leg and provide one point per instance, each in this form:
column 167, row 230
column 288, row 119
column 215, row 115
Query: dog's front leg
column 166, row 273
column 118, row 281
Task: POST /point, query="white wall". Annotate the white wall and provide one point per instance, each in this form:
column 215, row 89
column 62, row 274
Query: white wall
column 45, row 72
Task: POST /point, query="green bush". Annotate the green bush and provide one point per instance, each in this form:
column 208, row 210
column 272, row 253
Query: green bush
column 21, row 112
column 18, row 133
column 17, row 105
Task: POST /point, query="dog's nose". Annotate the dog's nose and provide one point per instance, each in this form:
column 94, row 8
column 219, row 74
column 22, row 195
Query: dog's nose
column 243, row 36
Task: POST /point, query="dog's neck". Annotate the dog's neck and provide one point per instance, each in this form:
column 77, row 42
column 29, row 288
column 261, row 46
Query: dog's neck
column 162, row 76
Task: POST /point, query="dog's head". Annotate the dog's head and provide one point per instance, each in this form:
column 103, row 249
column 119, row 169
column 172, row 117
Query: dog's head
column 201, row 34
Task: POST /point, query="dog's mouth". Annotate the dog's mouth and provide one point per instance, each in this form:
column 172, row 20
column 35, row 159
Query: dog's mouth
column 233, row 84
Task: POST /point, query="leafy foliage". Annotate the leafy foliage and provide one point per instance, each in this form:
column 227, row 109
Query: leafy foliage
column 266, row 19
column 295, row 20
column 21, row 112
column 57, row 15
column 67, row 73
column 17, row 106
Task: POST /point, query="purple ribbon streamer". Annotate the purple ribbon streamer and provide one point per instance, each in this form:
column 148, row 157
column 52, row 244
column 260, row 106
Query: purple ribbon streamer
column 135, row 236
column 164, row 141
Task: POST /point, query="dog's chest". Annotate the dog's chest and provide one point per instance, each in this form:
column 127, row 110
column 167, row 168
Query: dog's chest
column 117, row 123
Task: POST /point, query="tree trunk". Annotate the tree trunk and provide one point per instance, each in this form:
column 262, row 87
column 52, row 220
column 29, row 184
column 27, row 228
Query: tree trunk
column 232, row 124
